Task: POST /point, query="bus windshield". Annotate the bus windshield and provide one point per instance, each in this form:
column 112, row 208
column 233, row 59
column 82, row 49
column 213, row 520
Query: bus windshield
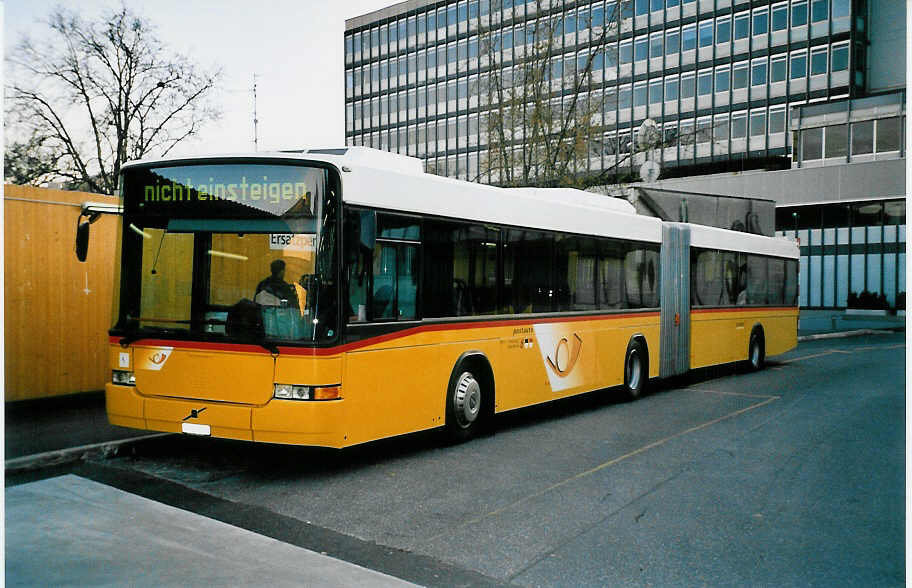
column 240, row 252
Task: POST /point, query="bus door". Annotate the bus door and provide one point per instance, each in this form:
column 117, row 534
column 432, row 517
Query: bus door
column 675, row 300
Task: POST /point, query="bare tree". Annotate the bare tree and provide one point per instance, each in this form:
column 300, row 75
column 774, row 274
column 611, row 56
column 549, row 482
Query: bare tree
column 546, row 119
column 99, row 93
column 545, row 109
column 30, row 161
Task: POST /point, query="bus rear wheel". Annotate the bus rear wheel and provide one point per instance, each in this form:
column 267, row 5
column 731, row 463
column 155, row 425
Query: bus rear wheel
column 464, row 406
column 636, row 370
column 756, row 353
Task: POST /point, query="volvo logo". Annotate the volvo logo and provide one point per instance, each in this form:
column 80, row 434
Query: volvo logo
column 194, row 413
column 563, row 358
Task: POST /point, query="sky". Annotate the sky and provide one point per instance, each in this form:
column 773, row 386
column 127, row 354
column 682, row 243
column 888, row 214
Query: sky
column 295, row 48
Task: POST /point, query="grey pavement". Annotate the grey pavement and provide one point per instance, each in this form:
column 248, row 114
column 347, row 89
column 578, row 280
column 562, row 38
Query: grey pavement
column 69, row 531
column 52, row 424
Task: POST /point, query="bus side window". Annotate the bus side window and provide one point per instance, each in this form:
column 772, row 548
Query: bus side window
column 757, row 278
column 360, row 234
column 384, row 290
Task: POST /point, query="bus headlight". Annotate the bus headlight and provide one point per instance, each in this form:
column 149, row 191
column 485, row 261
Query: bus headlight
column 289, row 392
column 292, row 392
column 122, row 378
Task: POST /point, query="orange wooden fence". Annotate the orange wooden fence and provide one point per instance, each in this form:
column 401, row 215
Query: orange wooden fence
column 57, row 310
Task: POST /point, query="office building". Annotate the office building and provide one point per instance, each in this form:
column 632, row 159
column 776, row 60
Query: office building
column 812, row 88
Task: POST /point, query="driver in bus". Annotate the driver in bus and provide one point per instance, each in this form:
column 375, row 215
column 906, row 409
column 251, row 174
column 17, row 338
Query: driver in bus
column 274, row 290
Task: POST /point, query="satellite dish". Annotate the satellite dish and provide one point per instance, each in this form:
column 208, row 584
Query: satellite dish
column 648, row 135
column 649, row 171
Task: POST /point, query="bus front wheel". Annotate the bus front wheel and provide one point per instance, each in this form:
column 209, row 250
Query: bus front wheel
column 464, row 406
column 635, row 370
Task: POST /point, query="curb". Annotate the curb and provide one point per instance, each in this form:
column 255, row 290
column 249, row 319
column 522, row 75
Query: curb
column 72, row 454
column 844, row 334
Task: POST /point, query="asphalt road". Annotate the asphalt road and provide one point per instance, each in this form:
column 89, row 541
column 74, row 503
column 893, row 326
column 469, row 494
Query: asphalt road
column 790, row 476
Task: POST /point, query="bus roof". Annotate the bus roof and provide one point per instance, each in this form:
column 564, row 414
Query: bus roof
column 390, row 181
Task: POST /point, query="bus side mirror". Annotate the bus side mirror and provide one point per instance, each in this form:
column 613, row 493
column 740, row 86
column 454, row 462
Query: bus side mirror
column 82, row 240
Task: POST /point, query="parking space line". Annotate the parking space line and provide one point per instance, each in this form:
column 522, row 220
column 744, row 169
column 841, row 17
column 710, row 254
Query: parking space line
column 844, row 351
column 610, row 463
column 704, row 390
column 807, row 357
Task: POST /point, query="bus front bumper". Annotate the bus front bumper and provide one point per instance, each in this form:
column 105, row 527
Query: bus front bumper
column 294, row 422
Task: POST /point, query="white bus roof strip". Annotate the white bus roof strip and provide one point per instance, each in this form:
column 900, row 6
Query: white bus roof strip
column 715, row 238
column 445, row 197
column 397, row 182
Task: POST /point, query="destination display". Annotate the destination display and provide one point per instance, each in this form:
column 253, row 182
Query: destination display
column 229, row 189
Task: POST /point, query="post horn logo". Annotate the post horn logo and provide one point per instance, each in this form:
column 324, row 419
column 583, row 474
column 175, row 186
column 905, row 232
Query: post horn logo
column 159, row 358
column 564, row 360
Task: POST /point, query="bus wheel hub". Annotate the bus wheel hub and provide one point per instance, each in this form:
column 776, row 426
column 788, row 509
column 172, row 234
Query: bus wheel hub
column 467, row 400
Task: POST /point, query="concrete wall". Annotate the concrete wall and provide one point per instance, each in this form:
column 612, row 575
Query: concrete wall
column 57, row 311
column 834, row 183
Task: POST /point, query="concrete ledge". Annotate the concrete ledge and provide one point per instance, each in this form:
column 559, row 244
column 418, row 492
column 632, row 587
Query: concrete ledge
column 843, row 334
column 71, row 454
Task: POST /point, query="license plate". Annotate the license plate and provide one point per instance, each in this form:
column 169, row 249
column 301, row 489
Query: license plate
column 195, row 429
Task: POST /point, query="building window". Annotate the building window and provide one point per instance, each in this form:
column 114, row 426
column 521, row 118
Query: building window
column 625, row 52
column 689, row 38
column 840, row 58
column 889, row 134
column 704, row 130
column 818, row 61
column 742, row 26
column 672, row 42
column 840, row 8
column 820, row 10
column 655, row 45
column 723, row 79
column 776, row 121
column 758, row 73
column 723, row 30
column 739, row 76
column 624, row 97
column 778, row 69
column 641, row 7
column 780, row 17
column 706, row 34
column 639, row 94
column 687, row 86
column 836, row 141
column 799, row 65
column 720, row 129
column 812, row 144
column 705, row 83
column 738, row 125
column 671, row 89
column 761, row 22
column 799, row 13
column 758, row 123
column 655, row 92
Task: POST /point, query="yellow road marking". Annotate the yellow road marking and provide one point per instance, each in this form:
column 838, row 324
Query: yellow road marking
column 614, row 461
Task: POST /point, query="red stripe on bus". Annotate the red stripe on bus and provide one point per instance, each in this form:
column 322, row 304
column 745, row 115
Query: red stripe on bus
column 744, row 309
column 322, row 351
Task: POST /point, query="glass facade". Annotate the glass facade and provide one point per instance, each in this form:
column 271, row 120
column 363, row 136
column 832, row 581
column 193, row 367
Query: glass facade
column 852, row 254
column 418, row 82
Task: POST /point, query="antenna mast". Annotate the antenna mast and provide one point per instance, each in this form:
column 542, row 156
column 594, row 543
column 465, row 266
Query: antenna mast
column 255, row 121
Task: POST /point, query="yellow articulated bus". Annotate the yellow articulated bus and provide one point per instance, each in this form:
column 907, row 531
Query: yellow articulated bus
column 335, row 297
